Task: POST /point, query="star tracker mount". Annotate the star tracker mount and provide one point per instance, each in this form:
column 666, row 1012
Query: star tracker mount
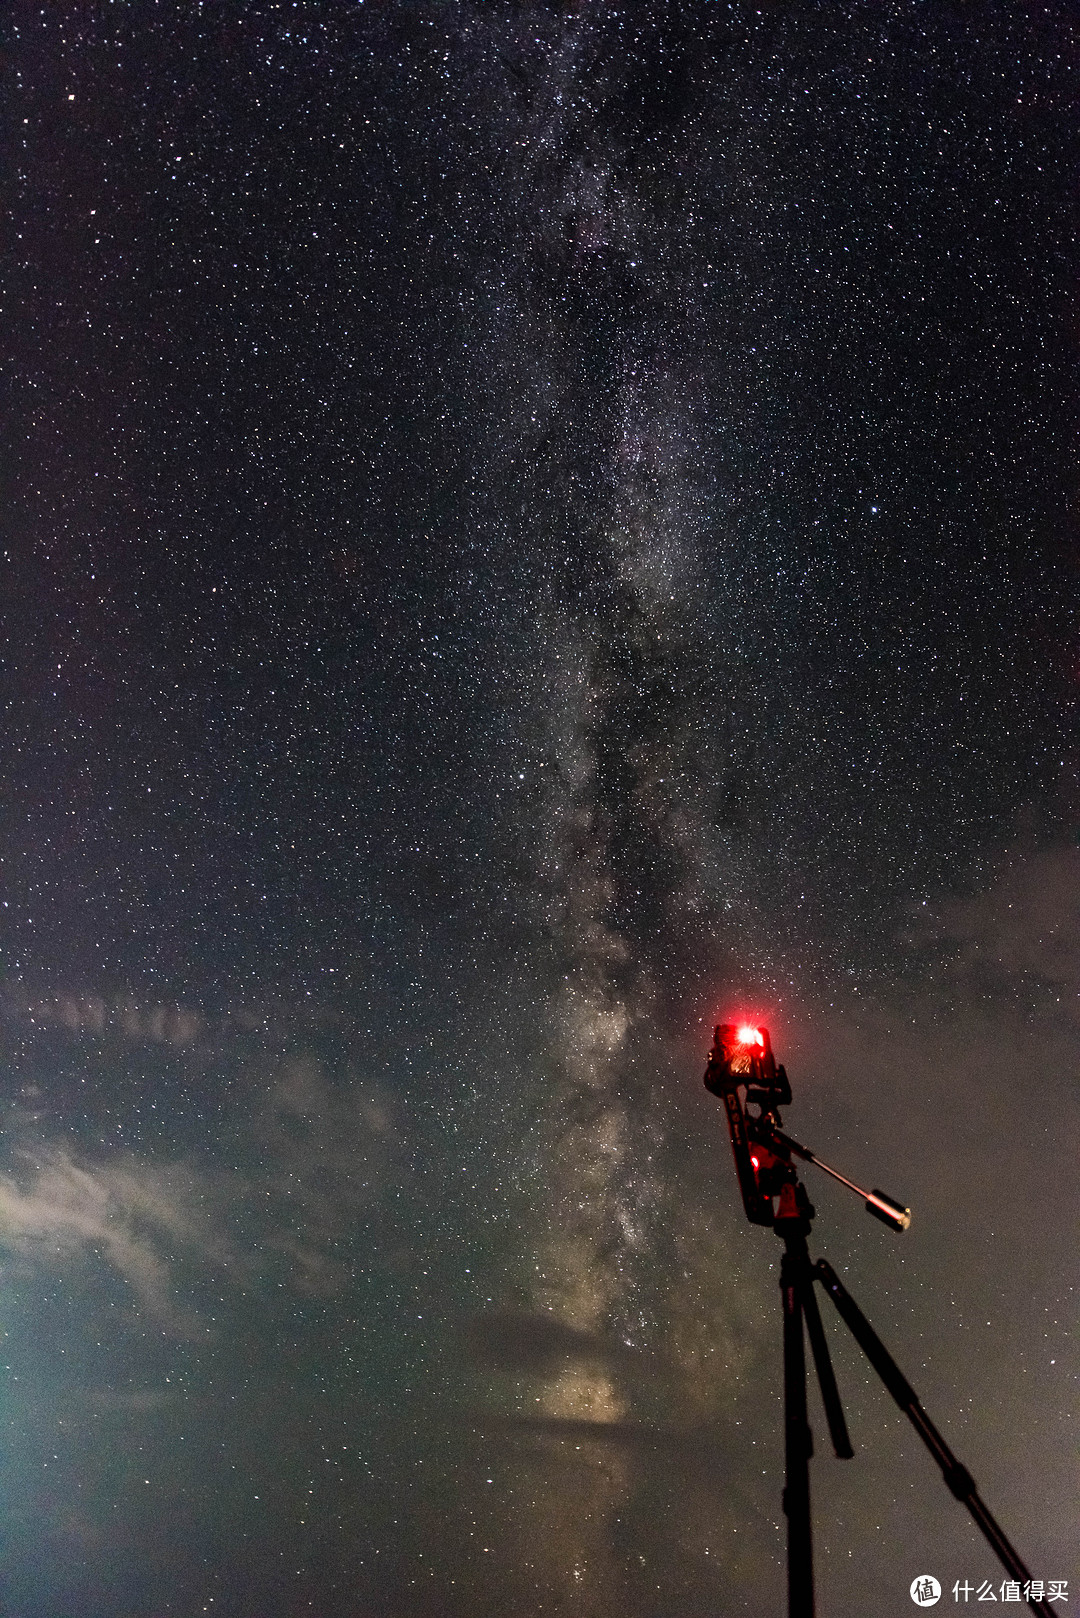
column 744, row 1074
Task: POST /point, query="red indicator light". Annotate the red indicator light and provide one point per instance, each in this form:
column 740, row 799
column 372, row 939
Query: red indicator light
column 750, row 1036
column 754, row 1160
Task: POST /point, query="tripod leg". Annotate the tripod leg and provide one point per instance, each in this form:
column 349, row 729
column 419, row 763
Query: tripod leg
column 830, row 1393
column 795, row 1281
column 959, row 1479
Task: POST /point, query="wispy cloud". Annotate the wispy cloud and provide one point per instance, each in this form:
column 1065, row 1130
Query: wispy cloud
column 328, row 1152
column 134, row 1215
column 1025, row 926
column 298, row 1162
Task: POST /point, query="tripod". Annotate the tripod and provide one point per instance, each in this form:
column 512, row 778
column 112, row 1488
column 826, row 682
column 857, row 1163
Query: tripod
column 742, row 1057
column 797, row 1277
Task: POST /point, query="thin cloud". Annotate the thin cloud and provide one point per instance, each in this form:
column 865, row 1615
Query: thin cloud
column 130, row 1213
column 303, row 1159
column 1027, row 923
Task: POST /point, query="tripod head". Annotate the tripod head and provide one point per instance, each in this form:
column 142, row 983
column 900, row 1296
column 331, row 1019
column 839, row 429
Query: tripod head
column 744, row 1073
column 741, row 1060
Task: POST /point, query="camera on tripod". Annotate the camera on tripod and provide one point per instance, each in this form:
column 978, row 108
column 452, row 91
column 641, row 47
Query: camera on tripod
column 742, row 1059
column 743, row 1072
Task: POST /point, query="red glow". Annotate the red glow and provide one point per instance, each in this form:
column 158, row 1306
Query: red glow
column 750, row 1036
column 754, row 1160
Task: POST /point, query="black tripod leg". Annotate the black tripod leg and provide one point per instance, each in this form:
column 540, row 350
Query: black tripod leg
column 958, row 1478
column 830, row 1393
column 795, row 1283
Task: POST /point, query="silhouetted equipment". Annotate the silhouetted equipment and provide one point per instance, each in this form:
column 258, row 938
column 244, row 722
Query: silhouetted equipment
column 744, row 1073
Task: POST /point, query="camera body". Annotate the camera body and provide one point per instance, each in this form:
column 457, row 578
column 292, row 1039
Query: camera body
column 741, row 1059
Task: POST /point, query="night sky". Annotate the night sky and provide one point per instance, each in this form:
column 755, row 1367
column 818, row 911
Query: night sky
column 528, row 530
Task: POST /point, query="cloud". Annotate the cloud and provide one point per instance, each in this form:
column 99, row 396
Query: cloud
column 134, row 1215
column 1028, row 922
column 328, row 1152
column 1020, row 936
column 283, row 1191
column 538, row 1344
column 126, row 1019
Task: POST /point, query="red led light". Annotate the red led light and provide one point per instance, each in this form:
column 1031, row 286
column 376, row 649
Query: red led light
column 754, row 1160
column 750, row 1036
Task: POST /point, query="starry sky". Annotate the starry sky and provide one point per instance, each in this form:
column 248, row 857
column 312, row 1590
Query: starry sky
column 530, row 529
